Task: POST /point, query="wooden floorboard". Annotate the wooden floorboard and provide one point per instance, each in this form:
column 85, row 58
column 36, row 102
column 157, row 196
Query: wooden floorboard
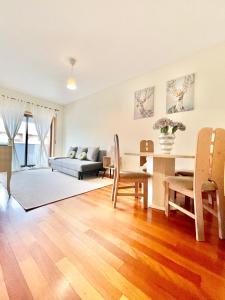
column 82, row 248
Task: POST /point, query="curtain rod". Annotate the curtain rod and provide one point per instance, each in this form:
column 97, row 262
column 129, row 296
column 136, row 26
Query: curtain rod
column 12, row 98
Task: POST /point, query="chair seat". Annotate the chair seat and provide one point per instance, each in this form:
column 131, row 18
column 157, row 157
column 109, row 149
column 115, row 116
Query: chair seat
column 133, row 175
column 184, row 173
column 184, row 184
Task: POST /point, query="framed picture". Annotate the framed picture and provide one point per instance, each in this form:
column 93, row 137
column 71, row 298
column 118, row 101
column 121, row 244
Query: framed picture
column 144, row 103
column 180, row 94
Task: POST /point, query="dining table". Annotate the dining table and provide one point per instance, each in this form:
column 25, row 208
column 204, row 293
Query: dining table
column 159, row 166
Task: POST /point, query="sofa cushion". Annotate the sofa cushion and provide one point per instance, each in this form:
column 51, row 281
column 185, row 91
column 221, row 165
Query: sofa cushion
column 80, row 150
column 72, row 154
column 83, row 156
column 101, row 154
column 70, row 150
column 92, row 153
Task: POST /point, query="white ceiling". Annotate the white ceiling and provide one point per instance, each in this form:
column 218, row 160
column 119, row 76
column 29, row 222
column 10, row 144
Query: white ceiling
column 112, row 40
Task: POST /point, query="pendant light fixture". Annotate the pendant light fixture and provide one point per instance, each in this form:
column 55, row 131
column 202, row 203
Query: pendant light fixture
column 71, row 82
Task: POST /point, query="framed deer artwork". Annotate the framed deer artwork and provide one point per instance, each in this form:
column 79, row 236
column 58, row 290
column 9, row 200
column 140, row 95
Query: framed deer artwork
column 180, row 94
column 144, row 103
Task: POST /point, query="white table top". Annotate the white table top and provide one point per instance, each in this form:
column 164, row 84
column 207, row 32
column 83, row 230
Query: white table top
column 159, row 155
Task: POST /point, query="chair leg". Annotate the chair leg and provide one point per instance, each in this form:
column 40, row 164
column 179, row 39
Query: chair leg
column 113, row 189
column 221, row 213
column 136, row 189
column 166, row 199
column 199, row 221
column 145, row 191
column 115, row 193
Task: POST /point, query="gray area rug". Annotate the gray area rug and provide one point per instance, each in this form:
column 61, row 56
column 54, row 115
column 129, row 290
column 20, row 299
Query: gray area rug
column 38, row 187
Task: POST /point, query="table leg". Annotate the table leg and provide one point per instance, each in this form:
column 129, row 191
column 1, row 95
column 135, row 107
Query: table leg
column 162, row 167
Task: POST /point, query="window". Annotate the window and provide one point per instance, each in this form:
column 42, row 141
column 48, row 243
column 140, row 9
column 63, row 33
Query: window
column 27, row 143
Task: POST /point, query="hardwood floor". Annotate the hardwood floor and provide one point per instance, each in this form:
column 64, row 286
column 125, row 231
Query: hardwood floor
column 81, row 248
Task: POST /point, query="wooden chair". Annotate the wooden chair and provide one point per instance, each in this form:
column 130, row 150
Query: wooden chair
column 217, row 176
column 145, row 146
column 193, row 187
column 184, row 173
column 127, row 177
column 148, row 146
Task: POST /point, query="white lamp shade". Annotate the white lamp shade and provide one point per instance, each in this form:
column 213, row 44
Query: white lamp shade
column 71, row 84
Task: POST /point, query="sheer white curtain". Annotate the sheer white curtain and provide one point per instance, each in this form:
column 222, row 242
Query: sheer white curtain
column 12, row 112
column 42, row 119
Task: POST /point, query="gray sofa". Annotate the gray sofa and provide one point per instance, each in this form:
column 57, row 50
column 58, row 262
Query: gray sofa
column 76, row 167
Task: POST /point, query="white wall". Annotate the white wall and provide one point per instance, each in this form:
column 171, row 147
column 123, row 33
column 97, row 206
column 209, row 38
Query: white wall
column 59, row 117
column 94, row 119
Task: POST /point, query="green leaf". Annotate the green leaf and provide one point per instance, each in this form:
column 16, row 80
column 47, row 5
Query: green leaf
column 164, row 129
column 174, row 129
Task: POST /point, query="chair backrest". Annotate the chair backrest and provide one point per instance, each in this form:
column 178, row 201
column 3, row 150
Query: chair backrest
column 218, row 159
column 145, row 146
column 203, row 159
column 210, row 157
column 117, row 156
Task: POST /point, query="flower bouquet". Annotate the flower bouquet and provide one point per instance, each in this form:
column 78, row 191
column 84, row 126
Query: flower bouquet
column 167, row 129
